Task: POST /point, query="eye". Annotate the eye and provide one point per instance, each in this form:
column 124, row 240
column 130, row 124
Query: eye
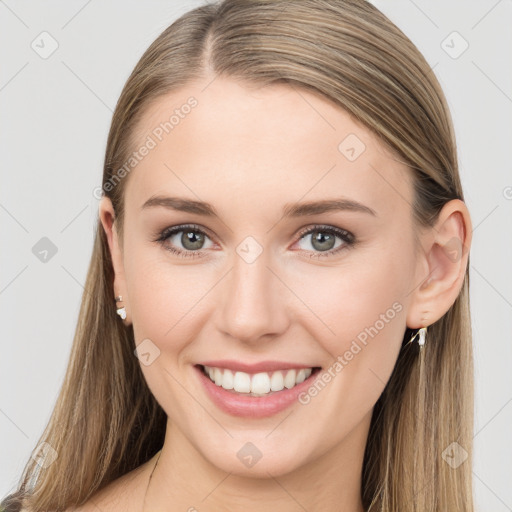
column 323, row 240
column 188, row 241
column 190, row 237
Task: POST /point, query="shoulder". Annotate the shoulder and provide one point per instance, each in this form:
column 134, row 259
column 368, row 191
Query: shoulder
column 126, row 494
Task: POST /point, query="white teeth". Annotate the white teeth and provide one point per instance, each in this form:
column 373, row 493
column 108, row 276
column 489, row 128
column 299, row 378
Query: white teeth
column 289, row 380
column 227, row 379
column 277, row 381
column 217, row 375
column 259, row 383
column 242, row 382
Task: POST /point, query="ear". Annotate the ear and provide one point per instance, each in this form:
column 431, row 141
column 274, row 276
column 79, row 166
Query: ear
column 107, row 218
column 442, row 265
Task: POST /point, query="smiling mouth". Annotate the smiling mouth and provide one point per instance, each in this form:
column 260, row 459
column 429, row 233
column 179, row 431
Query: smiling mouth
column 258, row 384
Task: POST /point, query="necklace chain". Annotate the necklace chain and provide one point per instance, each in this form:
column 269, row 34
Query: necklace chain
column 149, row 481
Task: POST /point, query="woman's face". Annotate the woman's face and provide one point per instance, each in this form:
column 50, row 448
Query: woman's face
column 261, row 283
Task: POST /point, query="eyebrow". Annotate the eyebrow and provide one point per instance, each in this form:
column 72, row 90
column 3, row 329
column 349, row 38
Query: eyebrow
column 289, row 210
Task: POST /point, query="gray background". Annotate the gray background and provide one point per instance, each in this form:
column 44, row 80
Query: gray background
column 55, row 114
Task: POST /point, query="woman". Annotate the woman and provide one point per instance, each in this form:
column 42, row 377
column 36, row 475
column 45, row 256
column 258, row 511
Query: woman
column 276, row 311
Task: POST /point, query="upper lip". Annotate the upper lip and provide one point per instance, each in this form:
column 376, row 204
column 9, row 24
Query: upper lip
column 262, row 366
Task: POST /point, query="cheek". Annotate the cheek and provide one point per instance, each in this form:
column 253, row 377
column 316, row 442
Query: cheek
column 352, row 297
column 154, row 298
column 165, row 298
column 359, row 321
column 164, row 302
column 359, row 312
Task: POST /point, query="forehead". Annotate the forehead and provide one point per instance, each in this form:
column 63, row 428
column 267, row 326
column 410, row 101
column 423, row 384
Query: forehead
column 261, row 147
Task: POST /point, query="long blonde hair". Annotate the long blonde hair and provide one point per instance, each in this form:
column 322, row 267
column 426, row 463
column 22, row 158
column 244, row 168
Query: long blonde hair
column 106, row 421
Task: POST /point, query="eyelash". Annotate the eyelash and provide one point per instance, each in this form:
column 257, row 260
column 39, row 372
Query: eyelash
column 347, row 237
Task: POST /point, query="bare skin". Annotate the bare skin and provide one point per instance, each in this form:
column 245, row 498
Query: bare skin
column 248, row 152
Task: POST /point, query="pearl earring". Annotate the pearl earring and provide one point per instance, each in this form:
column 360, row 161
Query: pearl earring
column 121, row 311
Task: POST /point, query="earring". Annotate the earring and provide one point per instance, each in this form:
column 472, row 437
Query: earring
column 121, row 311
column 421, row 340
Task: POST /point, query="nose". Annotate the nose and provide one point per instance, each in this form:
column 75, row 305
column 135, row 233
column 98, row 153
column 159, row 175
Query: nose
column 252, row 304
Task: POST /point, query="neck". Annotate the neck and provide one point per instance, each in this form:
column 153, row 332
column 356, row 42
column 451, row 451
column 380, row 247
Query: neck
column 185, row 480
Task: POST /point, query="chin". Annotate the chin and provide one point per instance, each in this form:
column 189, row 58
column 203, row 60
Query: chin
column 256, row 458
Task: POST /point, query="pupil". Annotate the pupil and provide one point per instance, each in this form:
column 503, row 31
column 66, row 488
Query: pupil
column 188, row 242
column 321, row 238
column 320, row 241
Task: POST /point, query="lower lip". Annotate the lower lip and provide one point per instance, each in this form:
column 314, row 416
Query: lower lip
column 238, row 404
